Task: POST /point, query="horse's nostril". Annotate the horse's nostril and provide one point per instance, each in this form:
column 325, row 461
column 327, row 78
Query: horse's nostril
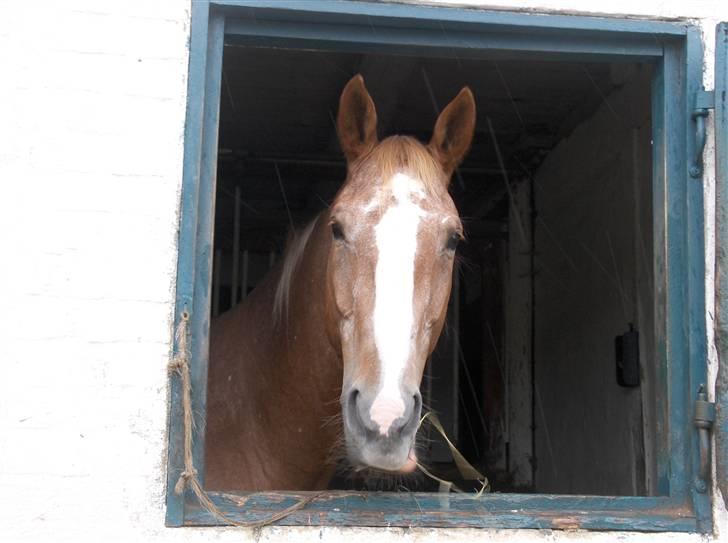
column 352, row 400
column 414, row 418
column 353, row 396
column 390, row 417
column 353, row 411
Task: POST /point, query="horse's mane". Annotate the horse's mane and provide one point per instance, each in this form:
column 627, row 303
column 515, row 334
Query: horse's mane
column 402, row 154
column 293, row 254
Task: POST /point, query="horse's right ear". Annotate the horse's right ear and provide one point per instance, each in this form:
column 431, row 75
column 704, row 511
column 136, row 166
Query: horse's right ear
column 357, row 121
column 453, row 131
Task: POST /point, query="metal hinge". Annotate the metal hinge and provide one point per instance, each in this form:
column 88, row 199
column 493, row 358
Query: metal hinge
column 704, row 100
column 704, row 418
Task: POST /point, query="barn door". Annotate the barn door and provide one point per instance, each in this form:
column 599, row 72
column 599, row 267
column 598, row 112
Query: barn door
column 721, row 253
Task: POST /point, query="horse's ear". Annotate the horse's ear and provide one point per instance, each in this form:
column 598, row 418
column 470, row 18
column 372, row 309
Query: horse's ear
column 357, row 122
column 454, row 131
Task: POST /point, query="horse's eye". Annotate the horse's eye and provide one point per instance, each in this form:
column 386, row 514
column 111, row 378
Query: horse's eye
column 453, row 240
column 337, row 232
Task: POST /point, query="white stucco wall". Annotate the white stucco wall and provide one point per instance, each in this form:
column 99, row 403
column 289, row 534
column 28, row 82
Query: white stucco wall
column 92, row 106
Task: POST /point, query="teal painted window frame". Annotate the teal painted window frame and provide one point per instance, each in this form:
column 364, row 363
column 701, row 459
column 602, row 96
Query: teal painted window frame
column 675, row 49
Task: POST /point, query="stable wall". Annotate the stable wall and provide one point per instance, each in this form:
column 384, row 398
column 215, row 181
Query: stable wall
column 91, row 148
column 594, row 276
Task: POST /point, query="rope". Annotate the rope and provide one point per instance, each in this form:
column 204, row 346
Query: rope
column 180, row 365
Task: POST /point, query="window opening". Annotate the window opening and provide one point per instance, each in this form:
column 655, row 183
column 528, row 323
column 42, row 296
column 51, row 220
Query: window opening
column 557, row 263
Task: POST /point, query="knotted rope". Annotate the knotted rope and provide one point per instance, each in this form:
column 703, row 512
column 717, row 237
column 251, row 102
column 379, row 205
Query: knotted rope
column 180, row 365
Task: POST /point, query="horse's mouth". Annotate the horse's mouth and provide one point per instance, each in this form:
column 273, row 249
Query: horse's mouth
column 367, row 447
column 409, row 466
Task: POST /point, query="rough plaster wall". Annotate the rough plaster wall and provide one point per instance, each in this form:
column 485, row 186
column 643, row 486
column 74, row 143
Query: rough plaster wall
column 592, row 267
column 92, row 109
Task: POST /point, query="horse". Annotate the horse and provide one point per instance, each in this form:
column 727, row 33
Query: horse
column 342, row 327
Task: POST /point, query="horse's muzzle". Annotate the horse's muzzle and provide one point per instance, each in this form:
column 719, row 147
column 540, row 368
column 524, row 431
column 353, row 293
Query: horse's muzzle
column 368, row 445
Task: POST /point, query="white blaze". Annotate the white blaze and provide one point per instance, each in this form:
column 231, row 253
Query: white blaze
column 396, row 239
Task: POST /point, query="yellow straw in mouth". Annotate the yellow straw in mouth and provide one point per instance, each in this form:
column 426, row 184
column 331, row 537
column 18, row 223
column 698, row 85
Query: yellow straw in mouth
column 466, row 469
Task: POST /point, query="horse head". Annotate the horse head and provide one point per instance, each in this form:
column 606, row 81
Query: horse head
column 394, row 229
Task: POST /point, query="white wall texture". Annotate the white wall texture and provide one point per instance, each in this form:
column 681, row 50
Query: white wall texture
column 92, row 106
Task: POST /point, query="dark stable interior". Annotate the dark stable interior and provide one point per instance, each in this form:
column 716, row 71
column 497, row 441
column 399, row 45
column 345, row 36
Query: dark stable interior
column 502, row 380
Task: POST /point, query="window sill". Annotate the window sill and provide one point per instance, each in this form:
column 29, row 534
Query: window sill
column 494, row 511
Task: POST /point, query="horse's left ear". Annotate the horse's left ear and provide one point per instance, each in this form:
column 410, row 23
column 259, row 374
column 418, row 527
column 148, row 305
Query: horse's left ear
column 357, row 121
column 454, row 131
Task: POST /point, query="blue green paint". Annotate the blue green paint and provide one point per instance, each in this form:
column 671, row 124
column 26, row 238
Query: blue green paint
column 186, row 244
column 660, row 89
column 447, row 41
column 422, row 16
column 433, row 510
column 695, row 282
column 200, row 319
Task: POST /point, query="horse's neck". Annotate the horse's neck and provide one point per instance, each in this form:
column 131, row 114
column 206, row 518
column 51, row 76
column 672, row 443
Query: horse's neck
column 289, row 378
column 305, row 373
column 306, row 363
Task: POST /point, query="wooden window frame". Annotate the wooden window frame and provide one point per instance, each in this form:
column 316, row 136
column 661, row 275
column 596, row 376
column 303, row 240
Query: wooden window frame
column 674, row 48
